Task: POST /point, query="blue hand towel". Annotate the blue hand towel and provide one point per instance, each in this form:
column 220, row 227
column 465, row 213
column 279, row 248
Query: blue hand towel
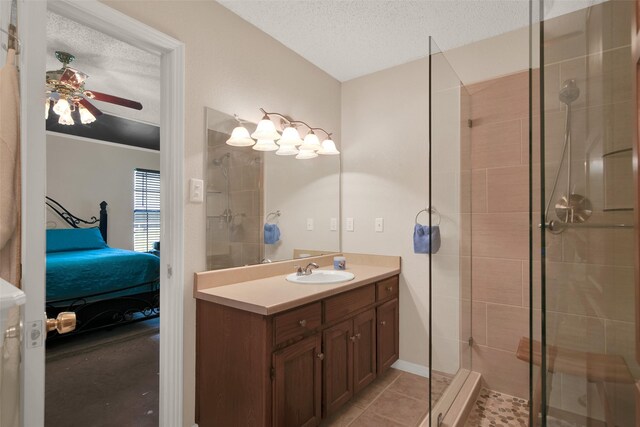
column 271, row 234
column 425, row 242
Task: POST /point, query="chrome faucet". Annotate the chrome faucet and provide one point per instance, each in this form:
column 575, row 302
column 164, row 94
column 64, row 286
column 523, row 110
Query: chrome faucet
column 307, row 270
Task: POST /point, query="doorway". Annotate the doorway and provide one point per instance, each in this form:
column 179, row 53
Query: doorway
column 32, row 28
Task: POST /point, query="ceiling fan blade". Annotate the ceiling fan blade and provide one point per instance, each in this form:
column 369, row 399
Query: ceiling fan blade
column 113, row 99
column 89, row 106
column 73, row 77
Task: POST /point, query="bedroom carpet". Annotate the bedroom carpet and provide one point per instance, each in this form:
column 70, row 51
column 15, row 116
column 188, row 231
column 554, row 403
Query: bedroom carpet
column 105, row 378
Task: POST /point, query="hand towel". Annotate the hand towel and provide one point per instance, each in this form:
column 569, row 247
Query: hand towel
column 426, row 241
column 271, row 234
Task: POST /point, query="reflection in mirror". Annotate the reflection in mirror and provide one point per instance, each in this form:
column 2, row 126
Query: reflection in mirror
column 262, row 207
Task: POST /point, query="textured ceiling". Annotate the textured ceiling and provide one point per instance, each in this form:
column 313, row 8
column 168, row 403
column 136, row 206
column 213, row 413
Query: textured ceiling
column 351, row 38
column 114, row 67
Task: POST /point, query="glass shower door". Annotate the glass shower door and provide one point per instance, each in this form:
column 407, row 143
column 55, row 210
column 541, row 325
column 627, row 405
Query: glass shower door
column 449, row 210
column 585, row 264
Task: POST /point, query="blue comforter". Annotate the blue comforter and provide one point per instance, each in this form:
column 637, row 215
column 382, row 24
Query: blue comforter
column 74, row 274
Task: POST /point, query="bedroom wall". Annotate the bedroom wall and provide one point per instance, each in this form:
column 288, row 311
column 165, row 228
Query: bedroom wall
column 233, row 67
column 81, row 173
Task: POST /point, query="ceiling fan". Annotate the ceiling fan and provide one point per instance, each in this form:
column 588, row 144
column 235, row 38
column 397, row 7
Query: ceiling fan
column 65, row 91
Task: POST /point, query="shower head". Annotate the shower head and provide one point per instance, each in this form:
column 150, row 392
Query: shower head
column 569, row 91
column 219, row 160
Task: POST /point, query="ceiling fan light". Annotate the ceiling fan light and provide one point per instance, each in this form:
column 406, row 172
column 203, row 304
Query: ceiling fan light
column 61, row 107
column 240, row 138
column 311, row 142
column 266, row 130
column 328, row 148
column 86, row 117
column 47, row 107
column 66, row 119
column 290, row 136
column 265, row 145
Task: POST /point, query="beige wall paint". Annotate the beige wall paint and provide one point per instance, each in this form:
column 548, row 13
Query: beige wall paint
column 81, row 173
column 384, row 126
column 235, row 68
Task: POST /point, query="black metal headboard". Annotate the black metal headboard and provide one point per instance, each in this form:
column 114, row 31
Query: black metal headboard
column 76, row 222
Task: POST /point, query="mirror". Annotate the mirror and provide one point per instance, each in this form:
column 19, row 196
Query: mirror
column 246, row 189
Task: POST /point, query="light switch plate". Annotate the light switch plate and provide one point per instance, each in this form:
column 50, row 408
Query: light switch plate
column 349, row 224
column 379, row 225
column 333, row 224
column 196, row 190
column 309, row 224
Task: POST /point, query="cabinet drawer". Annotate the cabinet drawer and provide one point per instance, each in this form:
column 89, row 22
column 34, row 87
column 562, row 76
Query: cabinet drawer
column 344, row 304
column 297, row 322
column 387, row 288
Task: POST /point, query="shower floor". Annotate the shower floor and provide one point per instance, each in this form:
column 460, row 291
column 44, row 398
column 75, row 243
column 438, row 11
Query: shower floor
column 494, row 409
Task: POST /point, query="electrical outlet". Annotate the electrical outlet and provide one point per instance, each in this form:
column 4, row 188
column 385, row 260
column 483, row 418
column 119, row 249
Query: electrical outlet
column 349, row 224
column 333, row 224
column 379, row 225
column 196, row 190
column 309, row 224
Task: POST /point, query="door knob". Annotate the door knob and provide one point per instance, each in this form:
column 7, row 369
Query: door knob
column 64, row 323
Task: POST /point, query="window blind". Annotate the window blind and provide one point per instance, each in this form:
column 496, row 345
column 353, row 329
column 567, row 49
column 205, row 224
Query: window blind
column 146, row 210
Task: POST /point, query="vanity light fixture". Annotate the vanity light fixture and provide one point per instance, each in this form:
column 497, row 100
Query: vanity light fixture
column 289, row 143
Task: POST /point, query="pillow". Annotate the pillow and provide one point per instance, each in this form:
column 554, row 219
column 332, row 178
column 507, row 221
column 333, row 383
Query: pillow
column 74, row 239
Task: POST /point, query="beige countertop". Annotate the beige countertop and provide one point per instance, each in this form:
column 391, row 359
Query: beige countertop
column 270, row 295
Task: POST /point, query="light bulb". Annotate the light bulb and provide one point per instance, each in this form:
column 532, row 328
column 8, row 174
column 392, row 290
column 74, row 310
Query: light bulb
column 61, row 106
column 265, row 145
column 86, row 117
column 240, row 138
column 311, row 142
column 287, row 150
column 290, row 136
column 328, row 148
column 266, row 130
column 66, row 119
column 47, row 107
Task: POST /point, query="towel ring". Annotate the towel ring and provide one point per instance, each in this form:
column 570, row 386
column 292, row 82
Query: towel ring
column 433, row 211
column 275, row 214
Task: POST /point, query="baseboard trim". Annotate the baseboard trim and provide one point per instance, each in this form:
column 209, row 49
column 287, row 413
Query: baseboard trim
column 412, row 368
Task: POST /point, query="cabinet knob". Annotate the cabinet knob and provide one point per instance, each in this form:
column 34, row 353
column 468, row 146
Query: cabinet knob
column 389, row 288
column 383, row 323
column 352, row 338
column 358, row 335
column 303, row 323
column 321, row 356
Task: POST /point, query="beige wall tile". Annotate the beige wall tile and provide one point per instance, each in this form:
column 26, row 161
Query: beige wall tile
column 621, row 340
column 506, row 325
column 497, row 280
column 501, row 235
column 502, row 371
column 495, row 144
column 502, row 99
column 508, row 189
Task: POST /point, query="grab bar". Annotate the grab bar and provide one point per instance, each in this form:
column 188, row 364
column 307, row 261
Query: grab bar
column 558, row 225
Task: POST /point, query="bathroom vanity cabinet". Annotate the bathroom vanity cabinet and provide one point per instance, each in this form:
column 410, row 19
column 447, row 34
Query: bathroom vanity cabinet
column 294, row 367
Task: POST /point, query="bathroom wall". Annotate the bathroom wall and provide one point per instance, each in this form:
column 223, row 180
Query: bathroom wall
column 385, row 129
column 82, row 173
column 235, row 68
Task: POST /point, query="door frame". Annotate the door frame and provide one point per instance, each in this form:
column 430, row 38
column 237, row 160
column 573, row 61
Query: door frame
column 32, row 30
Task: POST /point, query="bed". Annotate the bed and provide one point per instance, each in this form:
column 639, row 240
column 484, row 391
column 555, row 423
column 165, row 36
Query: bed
column 104, row 286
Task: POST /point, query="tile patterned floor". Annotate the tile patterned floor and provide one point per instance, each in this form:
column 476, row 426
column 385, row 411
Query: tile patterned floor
column 498, row 410
column 396, row 398
column 493, row 409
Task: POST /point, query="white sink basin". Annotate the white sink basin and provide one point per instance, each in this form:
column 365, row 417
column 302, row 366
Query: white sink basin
column 322, row 277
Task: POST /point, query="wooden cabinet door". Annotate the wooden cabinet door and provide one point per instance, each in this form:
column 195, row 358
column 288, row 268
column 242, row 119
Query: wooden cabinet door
column 387, row 335
column 297, row 387
column 338, row 365
column 364, row 350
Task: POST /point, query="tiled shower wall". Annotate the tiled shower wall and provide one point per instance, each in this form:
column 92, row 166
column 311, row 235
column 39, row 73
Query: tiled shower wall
column 590, row 280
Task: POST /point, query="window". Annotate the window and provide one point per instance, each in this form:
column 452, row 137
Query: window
column 146, row 209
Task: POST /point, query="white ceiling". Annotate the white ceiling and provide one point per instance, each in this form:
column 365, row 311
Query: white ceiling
column 351, row 38
column 114, row 67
